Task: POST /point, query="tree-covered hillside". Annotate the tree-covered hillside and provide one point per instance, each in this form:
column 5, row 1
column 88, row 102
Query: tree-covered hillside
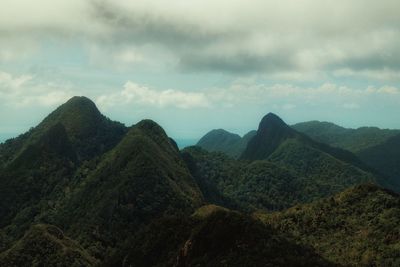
column 273, row 184
column 82, row 190
column 358, row 227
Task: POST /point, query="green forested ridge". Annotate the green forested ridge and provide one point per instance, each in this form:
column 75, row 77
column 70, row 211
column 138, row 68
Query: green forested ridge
column 281, row 181
column 224, row 141
column 360, row 226
column 142, row 178
column 89, row 132
column 82, row 190
column 377, row 148
column 354, row 140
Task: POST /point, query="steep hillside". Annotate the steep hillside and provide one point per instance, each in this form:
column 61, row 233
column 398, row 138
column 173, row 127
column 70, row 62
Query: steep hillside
column 358, row 227
column 272, row 131
column 46, row 245
column 36, row 167
column 35, row 173
column 142, row 178
column 65, row 173
column 226, row 142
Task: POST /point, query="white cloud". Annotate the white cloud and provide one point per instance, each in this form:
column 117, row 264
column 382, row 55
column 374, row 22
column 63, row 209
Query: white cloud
column 246, row 93
column 23, row 90
column 145, row 96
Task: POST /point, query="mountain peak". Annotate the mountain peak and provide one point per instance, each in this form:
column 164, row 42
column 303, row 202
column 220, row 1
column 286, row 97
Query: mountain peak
column 89, row 131
column 150, row 127
column 80, row 100
column 271, row 120
column 79, row 103
column 272, row 131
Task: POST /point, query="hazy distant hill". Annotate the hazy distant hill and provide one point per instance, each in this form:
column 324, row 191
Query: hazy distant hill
column 224, row 141
column 354, row 140
column 378, row 148
column 385, row 158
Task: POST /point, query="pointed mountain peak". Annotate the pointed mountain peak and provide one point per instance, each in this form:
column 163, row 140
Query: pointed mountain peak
column 272, row 131
column 271, row 120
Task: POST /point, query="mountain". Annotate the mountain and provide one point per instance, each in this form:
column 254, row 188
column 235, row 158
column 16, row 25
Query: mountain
column 354, row 140
column 279, row 168
column 37, row 166
column 46, row 245
column 95, row 179
column 82, row 190
column 142, row 178
column 273, row 133
column 224, row 141
column 357, row 227
column 89, row 132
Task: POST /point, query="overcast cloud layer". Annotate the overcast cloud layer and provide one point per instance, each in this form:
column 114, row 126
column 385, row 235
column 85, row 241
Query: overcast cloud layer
column 301, row 59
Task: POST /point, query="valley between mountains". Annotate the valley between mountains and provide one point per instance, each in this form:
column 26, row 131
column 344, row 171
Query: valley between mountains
column 82, row 190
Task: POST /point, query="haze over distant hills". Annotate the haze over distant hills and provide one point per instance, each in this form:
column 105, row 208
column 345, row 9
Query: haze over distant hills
column 81, row 189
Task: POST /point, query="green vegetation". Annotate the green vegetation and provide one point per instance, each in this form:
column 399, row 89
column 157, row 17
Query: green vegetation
column 283, row 180
column 129, row 197
column 142, row 178
column 215, row 236
column 359, row 226
column 46, row 245
column 279, row 168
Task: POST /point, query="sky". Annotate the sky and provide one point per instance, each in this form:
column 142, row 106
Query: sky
column 197, row 65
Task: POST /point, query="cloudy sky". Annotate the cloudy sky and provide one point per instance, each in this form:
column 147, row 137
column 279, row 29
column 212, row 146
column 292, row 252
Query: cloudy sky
column 195, row 65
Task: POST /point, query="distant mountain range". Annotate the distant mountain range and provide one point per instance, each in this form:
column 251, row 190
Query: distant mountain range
column 82, row 190
column 378, row 150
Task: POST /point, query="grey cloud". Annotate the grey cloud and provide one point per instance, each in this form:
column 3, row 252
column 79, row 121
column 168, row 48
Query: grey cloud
column 230, row 36
column 142, row 27
column 237, row 63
